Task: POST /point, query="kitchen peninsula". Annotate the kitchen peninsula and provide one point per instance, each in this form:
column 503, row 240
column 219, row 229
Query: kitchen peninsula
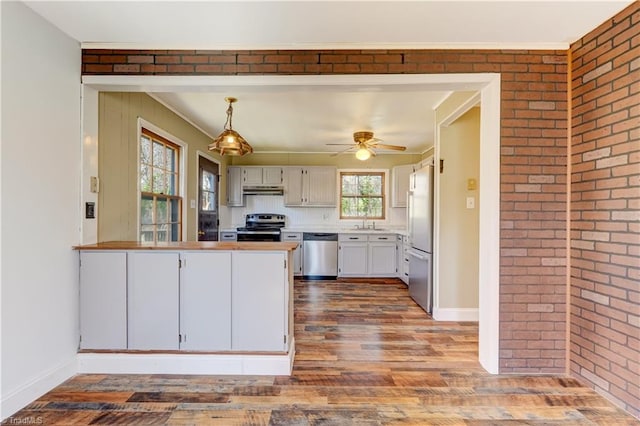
column 186, row 308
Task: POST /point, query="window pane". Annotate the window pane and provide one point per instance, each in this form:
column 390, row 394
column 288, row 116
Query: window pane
column 208, row 181
column 146, row 233
column 375, row 207
column 349, row 207
column 158, row 155
column 145, row 178
column 159, row 181
column 171, row 159
column 349, row 185
column 161, row 210
column 145, row 150
column 175, row 210
column 163, row 233
column 175, row 232
column 207, row 202
column 146, row 210
column 170, row 185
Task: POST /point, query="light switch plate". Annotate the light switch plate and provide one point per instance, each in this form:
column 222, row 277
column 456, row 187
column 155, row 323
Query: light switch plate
column 471, row 202
column 192, row 204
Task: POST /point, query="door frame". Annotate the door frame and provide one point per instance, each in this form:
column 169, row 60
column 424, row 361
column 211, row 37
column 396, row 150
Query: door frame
column 488, row 84
column 197, row 209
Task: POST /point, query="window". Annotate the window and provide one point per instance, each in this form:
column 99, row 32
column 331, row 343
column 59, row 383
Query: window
column 362, row 195
column 160, row 201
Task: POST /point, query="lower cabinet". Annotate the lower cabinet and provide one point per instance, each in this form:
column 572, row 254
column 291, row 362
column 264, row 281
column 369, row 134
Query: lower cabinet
column 363, row 255
column 258, row 301
column 152, row 300
column 193, row 300
column 297, row 253
column 103, row 300
column 205, row 295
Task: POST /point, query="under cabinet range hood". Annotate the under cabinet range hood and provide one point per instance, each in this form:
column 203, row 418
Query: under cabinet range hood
column 263, row 190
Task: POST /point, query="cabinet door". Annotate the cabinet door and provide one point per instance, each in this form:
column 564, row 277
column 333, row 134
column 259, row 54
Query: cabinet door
column 293, row 195
column 272, row 175
column 205, row 301
column 252, row 175
column 400, row 177
column 103, row 300
column 234, row 186
column 352, row 259
column 258, row 302
column 382, row 259
column 297, row 253
column 320, row 183
column 153, row 300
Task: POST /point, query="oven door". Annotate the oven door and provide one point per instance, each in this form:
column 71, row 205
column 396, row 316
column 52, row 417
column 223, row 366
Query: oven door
column 258, row 236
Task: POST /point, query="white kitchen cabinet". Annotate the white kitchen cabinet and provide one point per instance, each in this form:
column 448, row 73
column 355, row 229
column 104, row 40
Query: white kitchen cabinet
column 382, row 256
column 234, row 187
column 103, row 300
column 259, row 301
column 400, row 184
column 352, row 255
column 255, row 175
column 312, row 186
column 205, row 301
column 153, row 294
column 297, row 253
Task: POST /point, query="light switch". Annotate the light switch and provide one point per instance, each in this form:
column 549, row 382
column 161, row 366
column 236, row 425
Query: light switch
column 471, row 202
column 192, row 204
column 95, row 184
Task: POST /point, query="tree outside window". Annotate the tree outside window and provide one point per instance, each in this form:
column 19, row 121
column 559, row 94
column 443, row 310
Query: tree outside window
column 362, row 195
column 160, row 201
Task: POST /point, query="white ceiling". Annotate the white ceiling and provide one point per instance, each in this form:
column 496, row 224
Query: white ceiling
column 304, row 119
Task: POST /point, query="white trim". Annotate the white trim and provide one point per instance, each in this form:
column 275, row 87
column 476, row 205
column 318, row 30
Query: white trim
column 19, row 398
column 196, row 218
column 461, row 110
column 455, row 314
column 328, row 46
column 489, row 217
column 184, row 153
column 89, row 117
column 489, row 86
column 214, row 364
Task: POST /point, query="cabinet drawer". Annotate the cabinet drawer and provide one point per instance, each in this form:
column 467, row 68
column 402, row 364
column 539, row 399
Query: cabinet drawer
column 291, row 236
column 352, row 237
column 228, row 236
column 383, row 237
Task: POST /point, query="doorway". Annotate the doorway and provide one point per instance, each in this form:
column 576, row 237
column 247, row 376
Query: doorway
column 208, row 185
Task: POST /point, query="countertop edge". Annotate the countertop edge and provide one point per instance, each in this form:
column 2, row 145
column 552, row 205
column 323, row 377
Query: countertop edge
column 192, row 245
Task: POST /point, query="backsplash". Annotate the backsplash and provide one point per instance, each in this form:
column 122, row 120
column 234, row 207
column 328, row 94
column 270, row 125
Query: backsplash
column 231, row 217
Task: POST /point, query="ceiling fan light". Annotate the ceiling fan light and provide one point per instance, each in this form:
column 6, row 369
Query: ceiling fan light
column 363, row 154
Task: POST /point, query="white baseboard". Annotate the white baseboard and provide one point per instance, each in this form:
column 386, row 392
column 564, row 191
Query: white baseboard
column 29, row 392
column 455, row 314
column 222, row 364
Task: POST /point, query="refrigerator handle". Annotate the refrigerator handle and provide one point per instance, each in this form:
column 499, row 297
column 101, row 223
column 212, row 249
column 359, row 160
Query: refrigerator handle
column 416, row 254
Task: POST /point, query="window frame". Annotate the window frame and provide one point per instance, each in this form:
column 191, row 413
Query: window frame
column 155, row 133
column 384, row 196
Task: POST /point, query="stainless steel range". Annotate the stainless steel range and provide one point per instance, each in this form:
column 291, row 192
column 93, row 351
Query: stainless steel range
column 261, row 227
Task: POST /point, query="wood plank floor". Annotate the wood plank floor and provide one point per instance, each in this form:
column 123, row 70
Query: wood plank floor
column 366, row 355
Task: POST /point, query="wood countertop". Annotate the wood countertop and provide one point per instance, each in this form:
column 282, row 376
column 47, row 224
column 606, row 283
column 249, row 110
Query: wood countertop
column 192, row 245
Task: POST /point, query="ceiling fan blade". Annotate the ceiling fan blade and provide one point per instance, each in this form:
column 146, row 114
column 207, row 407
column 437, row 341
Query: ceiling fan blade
column 341, row 152
column 339, row 144
column 393, row 147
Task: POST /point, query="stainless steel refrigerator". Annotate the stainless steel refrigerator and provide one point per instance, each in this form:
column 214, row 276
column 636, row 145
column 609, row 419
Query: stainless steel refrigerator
column 421, row 238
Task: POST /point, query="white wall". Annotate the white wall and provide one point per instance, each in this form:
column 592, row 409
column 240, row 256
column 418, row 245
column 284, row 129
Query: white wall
column 40, row 205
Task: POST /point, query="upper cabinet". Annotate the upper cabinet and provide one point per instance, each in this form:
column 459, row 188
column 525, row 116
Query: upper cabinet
column 254, row 175
column 234, row 186
column 311, row 186
column 400, row 176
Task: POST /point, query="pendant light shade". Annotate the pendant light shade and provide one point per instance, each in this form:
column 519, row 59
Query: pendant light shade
column 229, row 142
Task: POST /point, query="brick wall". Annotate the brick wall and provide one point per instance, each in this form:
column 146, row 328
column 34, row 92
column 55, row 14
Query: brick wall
column 605, row 209
column 533, row 164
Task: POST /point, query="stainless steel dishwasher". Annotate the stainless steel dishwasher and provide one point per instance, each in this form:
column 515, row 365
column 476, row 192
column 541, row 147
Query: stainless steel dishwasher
column 320, row 255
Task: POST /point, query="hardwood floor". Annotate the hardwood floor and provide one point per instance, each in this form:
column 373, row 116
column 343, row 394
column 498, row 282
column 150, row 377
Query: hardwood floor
column 366, row 355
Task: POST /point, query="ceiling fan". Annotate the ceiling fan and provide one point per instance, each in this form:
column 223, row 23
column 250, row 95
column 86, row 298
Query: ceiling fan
column 366, row 145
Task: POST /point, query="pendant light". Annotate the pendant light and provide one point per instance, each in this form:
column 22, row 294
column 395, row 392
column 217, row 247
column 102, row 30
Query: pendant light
column 229, row 142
